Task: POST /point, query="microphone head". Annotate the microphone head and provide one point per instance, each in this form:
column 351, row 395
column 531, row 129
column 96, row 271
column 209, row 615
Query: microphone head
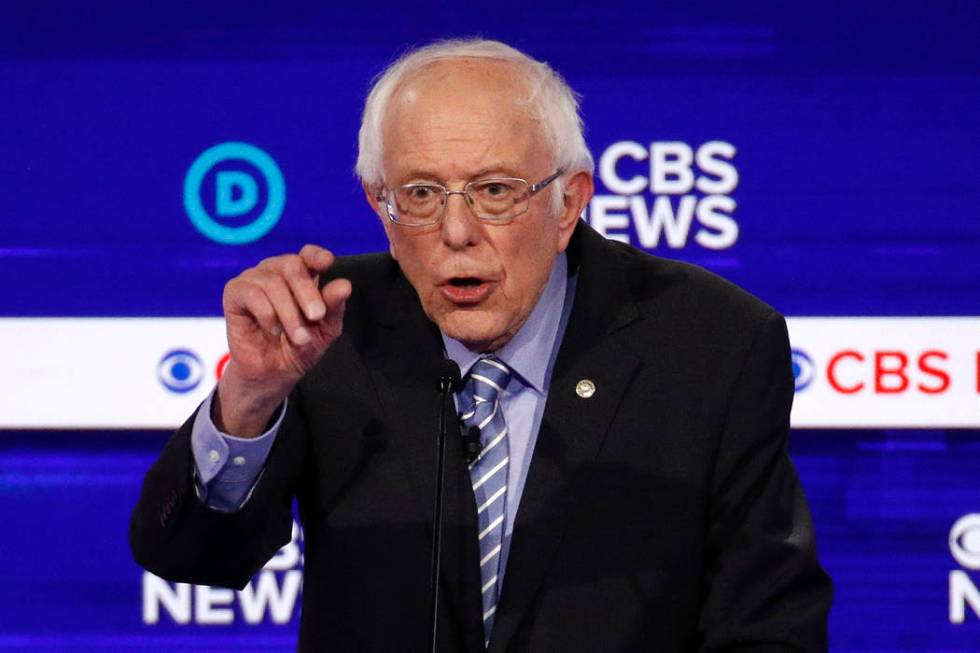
column 472, row 447
column 449, row 376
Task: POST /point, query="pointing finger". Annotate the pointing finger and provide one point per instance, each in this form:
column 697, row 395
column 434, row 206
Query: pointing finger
column 304, row 288
column 287, row 312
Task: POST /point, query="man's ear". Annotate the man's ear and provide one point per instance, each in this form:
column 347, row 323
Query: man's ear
column 371, row 193
column 578, row 190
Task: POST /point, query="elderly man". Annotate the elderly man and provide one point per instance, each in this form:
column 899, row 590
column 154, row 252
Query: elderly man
column 632, row 488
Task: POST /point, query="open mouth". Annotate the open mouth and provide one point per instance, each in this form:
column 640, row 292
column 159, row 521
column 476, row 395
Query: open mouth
column 465, row 282
column 464, row 291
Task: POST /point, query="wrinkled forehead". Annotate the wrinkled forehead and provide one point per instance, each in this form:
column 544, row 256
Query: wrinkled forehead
column 459, row 118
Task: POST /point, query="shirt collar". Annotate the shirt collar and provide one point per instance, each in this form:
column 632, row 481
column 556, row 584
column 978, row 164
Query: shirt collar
column 528, row 352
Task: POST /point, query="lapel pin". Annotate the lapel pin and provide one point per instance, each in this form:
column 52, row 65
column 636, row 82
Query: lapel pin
column 585, row 388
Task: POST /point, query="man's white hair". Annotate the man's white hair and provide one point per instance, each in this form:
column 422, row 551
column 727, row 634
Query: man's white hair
column 549, row 98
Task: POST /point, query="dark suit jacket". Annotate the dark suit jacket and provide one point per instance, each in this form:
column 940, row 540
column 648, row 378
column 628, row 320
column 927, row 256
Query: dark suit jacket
column 660, row 514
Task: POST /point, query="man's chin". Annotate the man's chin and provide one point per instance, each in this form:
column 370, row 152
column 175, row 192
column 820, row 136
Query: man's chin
column 477, row 331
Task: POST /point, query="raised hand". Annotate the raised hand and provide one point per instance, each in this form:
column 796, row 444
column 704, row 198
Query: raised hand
column 279, row 324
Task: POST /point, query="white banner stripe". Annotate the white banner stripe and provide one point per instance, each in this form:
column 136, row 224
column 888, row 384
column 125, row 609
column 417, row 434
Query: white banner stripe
column 107, row 372
column 904, row 372
column 852, row 372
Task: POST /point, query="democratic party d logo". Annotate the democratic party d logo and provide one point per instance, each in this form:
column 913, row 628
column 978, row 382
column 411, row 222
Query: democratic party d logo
column 237, row 218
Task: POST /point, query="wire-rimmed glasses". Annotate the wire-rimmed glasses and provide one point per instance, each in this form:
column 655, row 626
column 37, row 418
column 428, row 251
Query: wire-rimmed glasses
column 496, row 200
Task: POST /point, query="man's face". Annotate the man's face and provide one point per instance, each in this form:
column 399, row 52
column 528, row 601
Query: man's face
column 451, row 123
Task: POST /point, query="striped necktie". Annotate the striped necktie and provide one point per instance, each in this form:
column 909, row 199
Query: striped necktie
column 489, row 473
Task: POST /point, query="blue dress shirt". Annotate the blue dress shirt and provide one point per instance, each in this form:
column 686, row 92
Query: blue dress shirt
column 228, row 467
column 530, row 355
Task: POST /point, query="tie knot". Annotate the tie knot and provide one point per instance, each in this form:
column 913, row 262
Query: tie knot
column 489, row 376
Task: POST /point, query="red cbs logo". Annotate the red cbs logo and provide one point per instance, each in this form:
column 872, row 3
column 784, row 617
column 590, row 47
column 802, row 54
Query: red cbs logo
column 889, row 372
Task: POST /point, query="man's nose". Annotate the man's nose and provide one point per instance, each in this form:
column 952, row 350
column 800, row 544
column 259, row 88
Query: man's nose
column 460, row 228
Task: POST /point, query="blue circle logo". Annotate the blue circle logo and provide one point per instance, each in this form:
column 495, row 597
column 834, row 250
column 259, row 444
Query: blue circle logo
column 236, row 194
column 804, row 371
column 180, row 371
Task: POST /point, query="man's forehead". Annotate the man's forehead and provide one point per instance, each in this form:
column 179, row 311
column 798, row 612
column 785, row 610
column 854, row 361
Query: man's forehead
column 471, row 108
column 447, row 160
column 478, row 70
column 457, row 80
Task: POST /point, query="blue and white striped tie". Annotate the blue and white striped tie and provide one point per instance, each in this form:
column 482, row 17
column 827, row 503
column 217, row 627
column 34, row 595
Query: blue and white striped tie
column 489, row 473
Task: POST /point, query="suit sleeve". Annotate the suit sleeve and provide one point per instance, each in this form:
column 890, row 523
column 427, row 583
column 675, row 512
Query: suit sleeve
column 176, row 536
column 765, row 587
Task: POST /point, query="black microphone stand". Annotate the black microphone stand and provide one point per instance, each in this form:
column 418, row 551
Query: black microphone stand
column 448, row 382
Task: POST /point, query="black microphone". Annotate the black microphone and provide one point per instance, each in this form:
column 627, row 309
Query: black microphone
column 449, row 378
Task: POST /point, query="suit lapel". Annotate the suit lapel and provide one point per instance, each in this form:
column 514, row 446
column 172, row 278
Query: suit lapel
column 404, row 369
column 573, row 426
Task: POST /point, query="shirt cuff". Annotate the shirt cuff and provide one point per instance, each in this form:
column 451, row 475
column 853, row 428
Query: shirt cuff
column 227, row 467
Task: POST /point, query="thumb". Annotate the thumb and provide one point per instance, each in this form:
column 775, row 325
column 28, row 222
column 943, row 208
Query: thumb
column 335, row 295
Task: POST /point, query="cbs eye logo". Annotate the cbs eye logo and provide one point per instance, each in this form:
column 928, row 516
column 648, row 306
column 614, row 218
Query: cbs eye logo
column 964, row 541
column 180, row 371
column 804, row 370
column 236, row 175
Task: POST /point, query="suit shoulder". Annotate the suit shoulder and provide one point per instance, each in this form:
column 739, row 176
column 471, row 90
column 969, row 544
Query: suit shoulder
column 689, row 295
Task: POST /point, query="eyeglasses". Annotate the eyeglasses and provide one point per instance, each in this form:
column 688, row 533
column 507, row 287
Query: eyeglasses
column 496, row 200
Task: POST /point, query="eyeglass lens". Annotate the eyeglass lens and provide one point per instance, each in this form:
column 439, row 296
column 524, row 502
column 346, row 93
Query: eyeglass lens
column 490, row 199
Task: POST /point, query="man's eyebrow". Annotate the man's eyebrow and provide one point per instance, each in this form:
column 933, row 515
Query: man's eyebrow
column 499, row 170
column 422, row 174
column 496, row 170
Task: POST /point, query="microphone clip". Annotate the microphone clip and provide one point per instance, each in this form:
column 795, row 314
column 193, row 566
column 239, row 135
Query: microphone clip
column 472, row 446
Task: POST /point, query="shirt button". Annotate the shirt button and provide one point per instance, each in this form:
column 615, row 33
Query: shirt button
column 214, row 455
column 239, row 460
